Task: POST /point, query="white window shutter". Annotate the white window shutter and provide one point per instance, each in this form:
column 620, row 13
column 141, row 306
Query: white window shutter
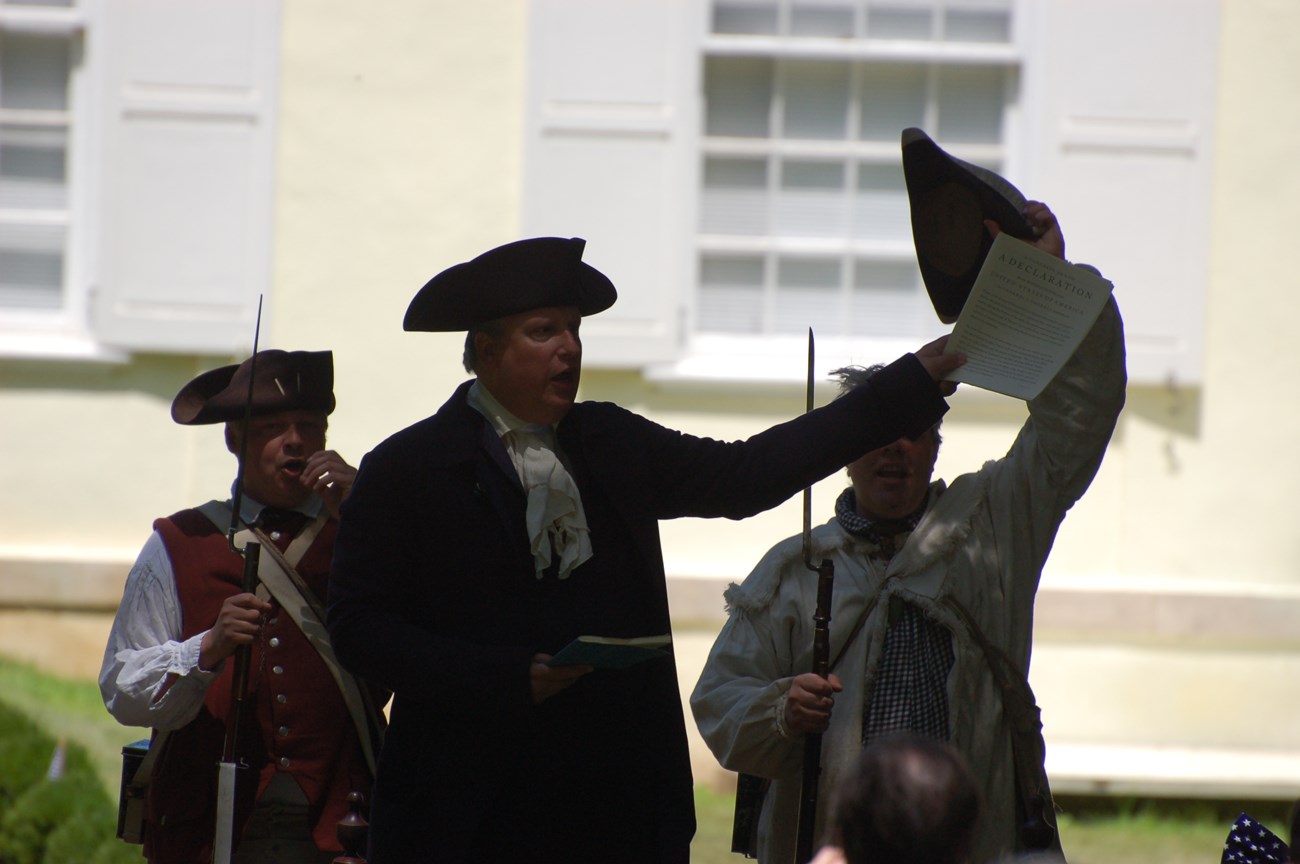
column 610, row 157
column 187, row 172
column 1126, row 93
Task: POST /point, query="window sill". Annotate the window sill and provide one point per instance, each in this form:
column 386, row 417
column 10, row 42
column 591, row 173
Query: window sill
column 53, row 346
column 739, row 364
column 42, row 21
column 713, row 360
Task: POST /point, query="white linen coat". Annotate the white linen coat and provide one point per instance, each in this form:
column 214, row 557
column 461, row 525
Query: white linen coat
column 980, row 548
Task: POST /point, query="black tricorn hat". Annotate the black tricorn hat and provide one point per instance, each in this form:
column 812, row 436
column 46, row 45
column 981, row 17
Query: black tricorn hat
column 516, row 277
column 282, row 381
column 950, row 199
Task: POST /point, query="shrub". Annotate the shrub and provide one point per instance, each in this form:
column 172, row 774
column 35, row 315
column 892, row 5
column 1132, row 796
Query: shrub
column 114, row 851
column 32, row 808
column 71, row 841
column 24, row 760
column 15, row 723
column 27, row 825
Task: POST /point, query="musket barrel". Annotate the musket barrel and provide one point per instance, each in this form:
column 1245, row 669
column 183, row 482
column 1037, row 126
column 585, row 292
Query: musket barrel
column 243, row 657
column 812, row 750
column 224, row 829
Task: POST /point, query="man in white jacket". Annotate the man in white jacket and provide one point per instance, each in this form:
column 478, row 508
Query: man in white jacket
column 932, row 614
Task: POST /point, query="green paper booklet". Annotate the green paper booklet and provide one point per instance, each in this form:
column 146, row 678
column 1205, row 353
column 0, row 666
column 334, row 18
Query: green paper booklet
column 608, row 652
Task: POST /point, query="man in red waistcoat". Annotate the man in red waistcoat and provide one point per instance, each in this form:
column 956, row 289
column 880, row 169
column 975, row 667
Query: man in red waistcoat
column 305, row 734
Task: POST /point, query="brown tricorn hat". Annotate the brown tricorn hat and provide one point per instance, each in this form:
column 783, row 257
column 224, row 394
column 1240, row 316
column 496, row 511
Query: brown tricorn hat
column 516, row 277
column 950, row 199
column 282, row 381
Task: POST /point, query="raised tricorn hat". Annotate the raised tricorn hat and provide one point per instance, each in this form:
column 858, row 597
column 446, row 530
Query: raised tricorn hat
column 950, row 199
column 516, row 277
column 282, row 381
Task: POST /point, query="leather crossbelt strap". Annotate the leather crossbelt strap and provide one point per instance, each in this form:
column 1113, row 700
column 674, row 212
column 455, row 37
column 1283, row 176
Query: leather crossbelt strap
column 1026, row 727
column 277, row 572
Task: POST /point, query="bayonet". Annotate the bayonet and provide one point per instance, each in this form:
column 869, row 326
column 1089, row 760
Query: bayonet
column 807, row 490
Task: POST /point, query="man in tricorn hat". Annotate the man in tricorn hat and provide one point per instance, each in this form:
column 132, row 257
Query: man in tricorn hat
column 932, row 619
column 304, row 734
column 480, row 541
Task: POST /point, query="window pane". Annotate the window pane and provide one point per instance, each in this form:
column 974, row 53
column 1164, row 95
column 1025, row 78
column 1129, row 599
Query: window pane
column 33, row 166
column 731, row 295
column 735, row 196
column 816, row 99
column 798, row 195
column 898, row 21
column 812, row 201
column 880, row 208
column 978, row 25
column 33, row 72
column 808, row 295
column 755, row 17
column 826, row 18
column 893, row 98
column 970, row 104
column 31, row 267
column 737, row 97
column 887, row 299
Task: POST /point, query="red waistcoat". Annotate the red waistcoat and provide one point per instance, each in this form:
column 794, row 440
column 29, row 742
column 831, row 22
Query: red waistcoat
column 294, row 718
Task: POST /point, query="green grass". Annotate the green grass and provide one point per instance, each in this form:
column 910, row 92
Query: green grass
column 712, row 843
column 1168, row 839
column 1093, row 830
column 1171, row 831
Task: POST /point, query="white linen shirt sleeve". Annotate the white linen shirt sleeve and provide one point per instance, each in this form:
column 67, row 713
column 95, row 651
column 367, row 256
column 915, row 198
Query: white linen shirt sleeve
column 150, row 677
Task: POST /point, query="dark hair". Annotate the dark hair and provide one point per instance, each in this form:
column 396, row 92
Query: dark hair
column 853, row 377
column 492, row 329
column 909, row 799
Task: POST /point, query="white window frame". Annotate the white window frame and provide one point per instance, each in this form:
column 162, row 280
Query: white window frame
column 1105, row 117
column 61, row 332
column 171, row 166
column 778, row 357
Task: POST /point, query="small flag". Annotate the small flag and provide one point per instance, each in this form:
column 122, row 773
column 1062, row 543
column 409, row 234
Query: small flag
column 1249, row 842
column 58, row 761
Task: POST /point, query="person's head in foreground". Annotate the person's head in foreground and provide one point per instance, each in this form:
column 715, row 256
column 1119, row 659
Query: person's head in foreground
column 909, row 799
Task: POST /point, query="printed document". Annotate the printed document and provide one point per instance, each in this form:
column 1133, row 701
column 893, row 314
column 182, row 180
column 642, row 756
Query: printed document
column 1026, row 313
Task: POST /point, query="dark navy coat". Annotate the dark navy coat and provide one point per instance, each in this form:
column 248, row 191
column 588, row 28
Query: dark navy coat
column 433, row 595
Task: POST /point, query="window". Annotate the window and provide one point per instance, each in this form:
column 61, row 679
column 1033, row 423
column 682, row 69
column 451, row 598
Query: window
column 40, row 52
column 735, row 165
column 803, row 217
column 137, row 145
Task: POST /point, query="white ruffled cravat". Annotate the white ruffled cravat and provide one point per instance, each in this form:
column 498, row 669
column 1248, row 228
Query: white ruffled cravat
column 556, row 522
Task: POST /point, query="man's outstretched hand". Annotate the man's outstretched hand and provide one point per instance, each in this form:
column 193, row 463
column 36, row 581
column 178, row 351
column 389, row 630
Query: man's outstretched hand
column 939, row 364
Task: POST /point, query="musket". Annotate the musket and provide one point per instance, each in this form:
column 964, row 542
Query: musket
column 224, row 836
column 812, row 747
